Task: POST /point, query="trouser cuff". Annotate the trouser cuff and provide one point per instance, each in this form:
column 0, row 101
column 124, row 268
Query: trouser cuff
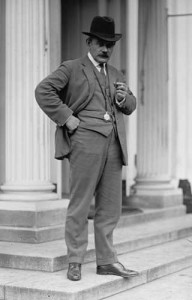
column 75, row 260
column 107, row 261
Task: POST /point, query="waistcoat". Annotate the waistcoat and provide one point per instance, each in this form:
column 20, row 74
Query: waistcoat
column 92, row 116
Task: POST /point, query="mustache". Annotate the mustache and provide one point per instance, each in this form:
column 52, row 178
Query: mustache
column 104, row 55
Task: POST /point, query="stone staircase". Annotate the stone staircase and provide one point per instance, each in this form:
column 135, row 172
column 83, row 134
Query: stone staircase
column 175, row 286
column 155, row 243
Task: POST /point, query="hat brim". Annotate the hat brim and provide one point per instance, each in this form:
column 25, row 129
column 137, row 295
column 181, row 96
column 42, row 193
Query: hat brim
column 115, row 38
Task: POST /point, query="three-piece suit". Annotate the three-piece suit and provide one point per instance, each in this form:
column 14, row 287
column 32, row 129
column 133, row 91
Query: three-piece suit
column 96, row 150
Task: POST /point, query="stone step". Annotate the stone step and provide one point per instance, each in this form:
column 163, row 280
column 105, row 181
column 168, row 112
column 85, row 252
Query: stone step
column 146, row 215
column 176, row 286
column 32, row 222
column 52, row 256
column 31, row 235
column 39, row 223
column 32, row 214
column 151, row 215
column 151, row 263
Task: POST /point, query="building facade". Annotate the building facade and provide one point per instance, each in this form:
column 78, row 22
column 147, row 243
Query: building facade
column 155, row 56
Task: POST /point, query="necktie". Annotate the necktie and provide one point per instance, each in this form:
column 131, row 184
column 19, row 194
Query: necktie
column 103, row 73
column 106, row 115
column 102, row 69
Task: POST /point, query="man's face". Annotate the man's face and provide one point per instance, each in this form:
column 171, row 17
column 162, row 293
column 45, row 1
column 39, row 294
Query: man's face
column 100, row 50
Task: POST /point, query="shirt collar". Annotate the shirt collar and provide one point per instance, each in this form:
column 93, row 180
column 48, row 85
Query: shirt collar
column 95, row 63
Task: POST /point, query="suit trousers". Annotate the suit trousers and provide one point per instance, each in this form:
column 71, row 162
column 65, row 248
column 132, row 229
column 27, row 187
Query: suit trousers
column 95, row 170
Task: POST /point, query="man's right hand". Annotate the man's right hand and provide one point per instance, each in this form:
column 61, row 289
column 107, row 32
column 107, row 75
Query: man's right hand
column 72, row 123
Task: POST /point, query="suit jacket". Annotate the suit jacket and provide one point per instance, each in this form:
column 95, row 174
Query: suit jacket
column 68, row 90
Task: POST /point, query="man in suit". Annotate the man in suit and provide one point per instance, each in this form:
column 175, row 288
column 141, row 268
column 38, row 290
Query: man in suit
column 87, row 98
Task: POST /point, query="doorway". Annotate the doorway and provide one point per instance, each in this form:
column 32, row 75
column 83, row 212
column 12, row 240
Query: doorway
column 76, row 17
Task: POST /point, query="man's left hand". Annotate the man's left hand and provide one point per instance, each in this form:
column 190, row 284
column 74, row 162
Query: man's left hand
column 122, row 91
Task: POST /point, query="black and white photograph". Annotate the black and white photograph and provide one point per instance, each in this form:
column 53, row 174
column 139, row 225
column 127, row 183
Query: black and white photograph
column 95, row 149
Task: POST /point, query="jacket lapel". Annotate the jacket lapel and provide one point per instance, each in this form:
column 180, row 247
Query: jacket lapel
column 88, row 71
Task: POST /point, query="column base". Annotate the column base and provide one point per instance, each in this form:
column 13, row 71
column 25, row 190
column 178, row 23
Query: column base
column 33, row 221
column 31, row 192
column 28, row 191
column 156, row 195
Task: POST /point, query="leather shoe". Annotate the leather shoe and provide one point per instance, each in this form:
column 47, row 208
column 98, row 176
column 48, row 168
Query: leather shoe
column 74, row 271
column 116, row 269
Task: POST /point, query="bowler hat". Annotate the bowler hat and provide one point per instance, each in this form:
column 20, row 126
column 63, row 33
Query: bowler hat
column 104, row 29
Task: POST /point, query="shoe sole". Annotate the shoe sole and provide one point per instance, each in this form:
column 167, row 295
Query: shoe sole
column 111, row 273
column 73, row 279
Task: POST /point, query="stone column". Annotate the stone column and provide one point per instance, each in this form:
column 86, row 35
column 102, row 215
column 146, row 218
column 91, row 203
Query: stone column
column 27, row 192
column 131, row 71
column 27, row 128
column 180, row 88
column 153, row 186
